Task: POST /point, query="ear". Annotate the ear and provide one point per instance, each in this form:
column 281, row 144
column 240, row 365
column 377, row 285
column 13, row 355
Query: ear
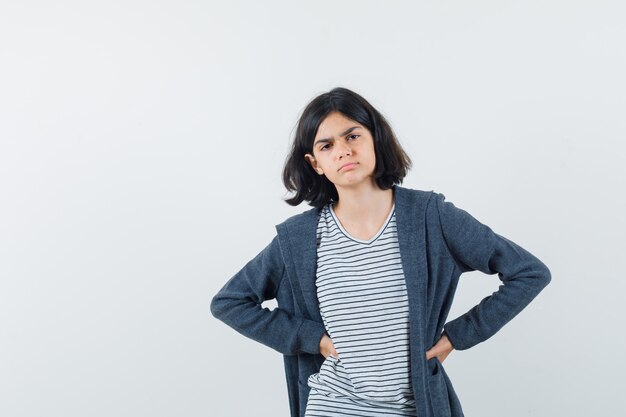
column 311, row 159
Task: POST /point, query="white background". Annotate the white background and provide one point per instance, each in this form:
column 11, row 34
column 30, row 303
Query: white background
column 141, row 151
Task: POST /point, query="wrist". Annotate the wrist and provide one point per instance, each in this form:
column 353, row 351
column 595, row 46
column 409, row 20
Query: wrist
column 444, row 334
column 323, row 342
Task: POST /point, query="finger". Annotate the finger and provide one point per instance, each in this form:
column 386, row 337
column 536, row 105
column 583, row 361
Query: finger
column 433, row 351
column 430, row 354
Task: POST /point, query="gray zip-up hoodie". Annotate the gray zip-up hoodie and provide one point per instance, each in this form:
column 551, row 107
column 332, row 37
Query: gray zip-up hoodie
column 438, row 242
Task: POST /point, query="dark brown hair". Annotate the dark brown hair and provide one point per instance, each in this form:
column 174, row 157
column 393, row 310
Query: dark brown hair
column 392, row 163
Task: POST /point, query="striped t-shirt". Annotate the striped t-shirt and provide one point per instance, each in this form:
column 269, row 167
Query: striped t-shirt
column 363, row 302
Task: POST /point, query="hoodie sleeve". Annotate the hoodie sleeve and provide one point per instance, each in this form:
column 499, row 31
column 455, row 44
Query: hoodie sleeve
column 474, row 246
column 238, row 304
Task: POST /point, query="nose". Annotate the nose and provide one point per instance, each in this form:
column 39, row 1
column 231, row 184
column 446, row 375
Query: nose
column 343, row 149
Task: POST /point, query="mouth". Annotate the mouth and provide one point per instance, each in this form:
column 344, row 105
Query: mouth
column 348, row 166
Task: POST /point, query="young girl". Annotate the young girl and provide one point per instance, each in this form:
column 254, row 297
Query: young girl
column 365, row 279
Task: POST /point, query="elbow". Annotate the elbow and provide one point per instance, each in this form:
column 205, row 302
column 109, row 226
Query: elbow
column 216, row 306
column 544, row 275
column 547, row 277
column 539, row 277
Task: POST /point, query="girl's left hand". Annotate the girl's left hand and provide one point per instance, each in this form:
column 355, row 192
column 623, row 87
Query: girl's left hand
column 441, row 349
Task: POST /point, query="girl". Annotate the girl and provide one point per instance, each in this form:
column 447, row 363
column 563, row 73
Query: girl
column 365, row 279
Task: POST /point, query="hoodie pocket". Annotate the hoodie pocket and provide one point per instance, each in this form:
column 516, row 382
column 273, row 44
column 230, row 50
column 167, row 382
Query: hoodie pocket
column 439, row 400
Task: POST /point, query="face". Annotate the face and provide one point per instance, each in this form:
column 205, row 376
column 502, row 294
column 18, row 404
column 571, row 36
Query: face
column 340, row 141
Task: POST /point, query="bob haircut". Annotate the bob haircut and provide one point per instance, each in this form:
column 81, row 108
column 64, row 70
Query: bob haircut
column 392, row 163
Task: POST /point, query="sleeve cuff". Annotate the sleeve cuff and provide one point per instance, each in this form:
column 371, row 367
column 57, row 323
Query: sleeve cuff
column 462, row 333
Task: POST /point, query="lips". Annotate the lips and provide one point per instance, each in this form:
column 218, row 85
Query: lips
column 348, row 165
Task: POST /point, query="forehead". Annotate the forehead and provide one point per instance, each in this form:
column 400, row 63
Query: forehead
column 334, row 124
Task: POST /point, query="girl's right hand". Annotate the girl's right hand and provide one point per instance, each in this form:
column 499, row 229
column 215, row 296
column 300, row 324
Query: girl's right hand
column 327, row 347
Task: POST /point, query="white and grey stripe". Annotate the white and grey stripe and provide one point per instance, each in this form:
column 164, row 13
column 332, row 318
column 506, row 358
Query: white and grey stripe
column 363, row 302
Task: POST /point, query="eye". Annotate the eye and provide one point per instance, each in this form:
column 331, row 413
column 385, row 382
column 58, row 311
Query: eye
column 355, row 136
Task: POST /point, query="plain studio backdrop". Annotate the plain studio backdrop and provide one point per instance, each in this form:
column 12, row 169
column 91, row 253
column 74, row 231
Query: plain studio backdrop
column 141, row 151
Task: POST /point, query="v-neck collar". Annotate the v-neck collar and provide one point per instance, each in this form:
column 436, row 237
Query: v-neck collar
column 356, row 239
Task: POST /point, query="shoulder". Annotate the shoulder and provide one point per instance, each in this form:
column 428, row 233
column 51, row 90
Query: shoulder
column 415, row 192
column 412, row 196
column 300, row 219
column 421, row 204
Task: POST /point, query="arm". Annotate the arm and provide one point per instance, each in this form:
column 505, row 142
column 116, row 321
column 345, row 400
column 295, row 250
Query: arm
column 238, row 304
column 474, row 246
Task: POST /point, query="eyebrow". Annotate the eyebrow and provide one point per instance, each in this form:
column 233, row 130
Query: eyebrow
column 343, row 134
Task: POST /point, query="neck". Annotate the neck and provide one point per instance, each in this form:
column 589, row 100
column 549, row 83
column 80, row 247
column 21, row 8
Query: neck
column 363, row 204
